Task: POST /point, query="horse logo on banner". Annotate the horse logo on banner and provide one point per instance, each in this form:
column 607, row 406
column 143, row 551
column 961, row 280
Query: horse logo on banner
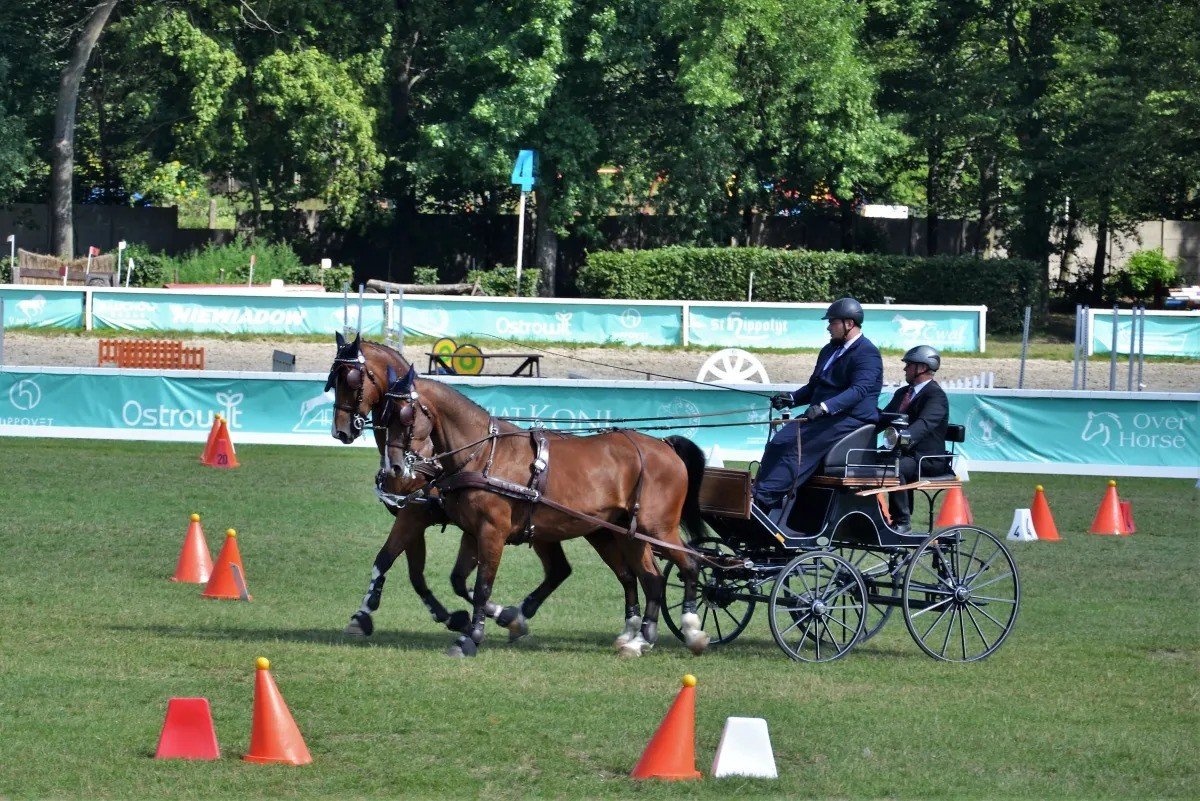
column 316, row 413
column 1100, row 424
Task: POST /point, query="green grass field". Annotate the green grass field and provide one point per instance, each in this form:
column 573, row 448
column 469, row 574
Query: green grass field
column 1093, row 696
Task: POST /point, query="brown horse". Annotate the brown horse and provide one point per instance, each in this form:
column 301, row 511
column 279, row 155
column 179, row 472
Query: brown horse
column 357, row 378
column 501, row 483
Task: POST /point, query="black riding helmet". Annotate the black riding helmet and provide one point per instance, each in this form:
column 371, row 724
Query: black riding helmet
column 924, row 354
column 845, row 309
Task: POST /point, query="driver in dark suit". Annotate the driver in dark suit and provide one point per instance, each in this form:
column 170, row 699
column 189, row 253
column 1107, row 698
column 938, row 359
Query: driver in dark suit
column 928, row 410
column 842, row 394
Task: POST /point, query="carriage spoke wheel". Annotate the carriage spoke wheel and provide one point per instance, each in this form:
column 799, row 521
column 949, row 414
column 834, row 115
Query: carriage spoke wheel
column 818, row 607
column 877, row 575
column 961, row 594
column 721, row 604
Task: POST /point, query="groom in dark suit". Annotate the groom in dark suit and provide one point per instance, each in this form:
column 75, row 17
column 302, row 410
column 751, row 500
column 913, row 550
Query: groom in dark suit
column 924, row 401
column 842, row 393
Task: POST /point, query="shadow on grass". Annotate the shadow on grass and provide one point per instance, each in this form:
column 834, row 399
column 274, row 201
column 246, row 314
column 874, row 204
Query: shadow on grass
column 432, row 640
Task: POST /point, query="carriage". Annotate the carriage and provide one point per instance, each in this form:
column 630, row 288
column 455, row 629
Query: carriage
column 832, row 570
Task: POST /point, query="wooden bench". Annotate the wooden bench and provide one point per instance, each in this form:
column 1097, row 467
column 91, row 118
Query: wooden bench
column 529, row 367
column 151, row 354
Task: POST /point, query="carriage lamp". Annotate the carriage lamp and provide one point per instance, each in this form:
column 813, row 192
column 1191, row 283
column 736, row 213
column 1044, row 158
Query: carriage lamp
column 895, row 438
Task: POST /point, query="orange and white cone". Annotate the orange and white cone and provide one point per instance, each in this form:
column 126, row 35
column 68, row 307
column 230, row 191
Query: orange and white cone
column 228, row 578
column 274, row 736
column 671, row 753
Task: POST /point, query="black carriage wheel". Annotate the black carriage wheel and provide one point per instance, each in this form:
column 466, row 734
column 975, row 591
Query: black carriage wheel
column 818, row 607
column 877, row 575
column 961, row 594
column 724, row 614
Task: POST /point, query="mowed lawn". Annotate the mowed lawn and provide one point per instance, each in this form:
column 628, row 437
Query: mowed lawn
column 1093, row 696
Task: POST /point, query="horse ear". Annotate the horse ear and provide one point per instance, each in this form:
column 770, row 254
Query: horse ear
column 410, row 378
column 357, row 338
column 391, row 375
column 341, row 340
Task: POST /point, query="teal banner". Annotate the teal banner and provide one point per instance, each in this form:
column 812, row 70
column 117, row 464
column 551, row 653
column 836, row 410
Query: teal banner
column 544, row 321
column 1167, row 333
column 43, row 307
column 779, row 325
column 231, row 313
column 1016, row 430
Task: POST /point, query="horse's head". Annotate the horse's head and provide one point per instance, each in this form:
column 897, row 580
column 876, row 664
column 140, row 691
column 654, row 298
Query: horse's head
column 409, row 423
column 356, row 387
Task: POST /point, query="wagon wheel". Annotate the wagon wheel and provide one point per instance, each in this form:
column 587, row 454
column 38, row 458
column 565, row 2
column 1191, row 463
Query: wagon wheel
column 722, row 601
column 818, row 607
column 877, row 575
column 961, row 594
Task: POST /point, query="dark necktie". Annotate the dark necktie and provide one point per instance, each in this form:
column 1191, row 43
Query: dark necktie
column 908, row 396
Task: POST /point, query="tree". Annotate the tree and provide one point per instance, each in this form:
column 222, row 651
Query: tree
column 62, row 161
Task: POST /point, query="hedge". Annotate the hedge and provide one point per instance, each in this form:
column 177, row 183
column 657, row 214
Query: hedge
column 1005, row 286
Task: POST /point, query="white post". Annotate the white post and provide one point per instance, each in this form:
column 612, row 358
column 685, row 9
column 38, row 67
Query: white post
column 358, row 328
column 750, row 288
column 128, row 271
column 12, row 258
column 120, row 254
column 250, row 278
column 520, row 239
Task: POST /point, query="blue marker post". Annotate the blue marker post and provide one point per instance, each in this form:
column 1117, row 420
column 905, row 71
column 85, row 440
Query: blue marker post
column 522, row 175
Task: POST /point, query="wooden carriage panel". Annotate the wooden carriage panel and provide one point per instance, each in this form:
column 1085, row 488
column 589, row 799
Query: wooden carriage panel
column 725, row 492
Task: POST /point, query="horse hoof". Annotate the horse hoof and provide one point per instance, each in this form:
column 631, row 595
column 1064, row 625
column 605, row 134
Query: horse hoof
column 463, row 647
column 518, row 628
column 622, row 640
column 697, row 642
column 629, row 651
column 354, row 630
column 360, row 625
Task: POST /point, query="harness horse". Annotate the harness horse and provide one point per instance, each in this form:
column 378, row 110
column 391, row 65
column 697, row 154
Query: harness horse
column 503, row 484
column 356, row 379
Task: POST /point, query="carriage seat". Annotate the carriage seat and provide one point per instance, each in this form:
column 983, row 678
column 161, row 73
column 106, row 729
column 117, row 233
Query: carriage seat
column 955, row 433
column 855, row 456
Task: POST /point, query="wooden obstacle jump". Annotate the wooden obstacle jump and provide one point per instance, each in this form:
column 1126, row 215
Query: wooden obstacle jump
column 152, row 354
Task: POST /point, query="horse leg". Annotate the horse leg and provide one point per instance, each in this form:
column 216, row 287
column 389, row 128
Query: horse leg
column 610, row 551
column 557, row 569
column 463, row 565
column 490, row 548
column 689, row 622
column 407, row 535
column 638, row 554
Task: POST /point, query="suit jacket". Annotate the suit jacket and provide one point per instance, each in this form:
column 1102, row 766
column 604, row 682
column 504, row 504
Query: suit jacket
column 852, row 384
column 928, row 415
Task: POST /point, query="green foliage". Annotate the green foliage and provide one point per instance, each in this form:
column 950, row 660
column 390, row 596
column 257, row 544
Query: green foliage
column 1146, row 271
column 425, row 275
column 501, row 281
column 1005, row 286
column 230, row 264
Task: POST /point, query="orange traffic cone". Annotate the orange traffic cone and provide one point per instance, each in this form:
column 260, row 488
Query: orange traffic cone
column 195, row 562
column 955, row 510
column 1043, row 521
column 228, row 577
column 187, row 731
column 274, row 736
column 207, row 454
column 1108, row 517
column 1127, row 517
column 671, row 753
column 223, row 454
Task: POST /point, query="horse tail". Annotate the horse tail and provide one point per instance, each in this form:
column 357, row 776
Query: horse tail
column 693, row 460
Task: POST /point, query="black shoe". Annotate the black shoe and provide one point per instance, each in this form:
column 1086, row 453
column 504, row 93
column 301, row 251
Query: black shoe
column 902, row 528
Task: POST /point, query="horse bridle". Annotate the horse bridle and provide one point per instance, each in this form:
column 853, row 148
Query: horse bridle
column 404, row 405
column 358, row 420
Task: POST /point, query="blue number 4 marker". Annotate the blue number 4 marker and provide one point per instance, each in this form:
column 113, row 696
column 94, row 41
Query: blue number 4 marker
column 522, row 173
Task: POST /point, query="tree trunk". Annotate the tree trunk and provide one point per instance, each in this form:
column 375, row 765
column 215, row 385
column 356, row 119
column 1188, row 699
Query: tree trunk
column 1101, row 263
column 931, row 202
column 62, row 150
column 987, row 208
column 545, row 245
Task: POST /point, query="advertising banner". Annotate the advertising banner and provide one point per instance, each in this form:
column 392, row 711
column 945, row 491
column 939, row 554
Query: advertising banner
column 543, row 321
column 799, row 325
column 231, row 313
column 1167, row 333
column 1148, row 434
column 43, row 307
